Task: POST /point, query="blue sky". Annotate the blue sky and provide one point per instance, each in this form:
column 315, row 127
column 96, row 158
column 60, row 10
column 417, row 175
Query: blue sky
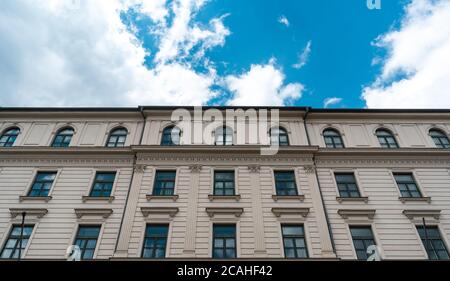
column 227, row 52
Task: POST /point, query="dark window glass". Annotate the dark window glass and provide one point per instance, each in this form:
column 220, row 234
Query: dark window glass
column 279, row 136
column 86, row 239
column 42, row 184
column 294, row 241
column 285, row 183
column 9, row 137
column 63, row 138
column 386, row 139
column 362, row 238
column 407, row 185
column 155, row 241
column 14, row 243
column 117, row 138
column 171, row 136
column 164, row 183
column 224, row 241
column 440, row 139
column 103, row 184
column 333, row 139
column 435, row 247
column 224, row 183
column 224, row 136
column 347, row 186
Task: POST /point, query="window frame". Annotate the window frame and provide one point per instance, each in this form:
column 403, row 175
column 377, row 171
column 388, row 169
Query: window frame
column 170, row 127
column 443, row 135
column 286, row 134
column 93, row 182
column 214, row 172
column 339, row 135
column 442, row 238
column 223, row 249
column 357, row 183
column 58, row 133
column 225, row 128
column 35, row 176
column 385, row 137
column 281, row 170
column 111, row 134
column 26, row 192
column 415, row 181
column 374, row 237
column 175, row 180
column 5, row 133
column 147, row 224
column 7, row 237
column 305, row 240
column 99, row 237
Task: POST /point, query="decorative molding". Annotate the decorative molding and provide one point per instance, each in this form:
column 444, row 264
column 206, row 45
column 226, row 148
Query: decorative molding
column 195, row 168
column 383, row 162
column 162, row 197
column 278, row 212
column 300, row 198
column 212, row 211
column 34, row 198
column 309, row 169
column 139, row 168
column 171, row 211
column 413, row 214
column 254, row 168
column 346, row 213
column 213, row 197
column 364, row 199
column 37, row 212
column 415, row 199
column 97, row 199
column 105, row 213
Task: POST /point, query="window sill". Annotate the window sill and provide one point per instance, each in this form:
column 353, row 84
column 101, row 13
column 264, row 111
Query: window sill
column 288, row 197
column 415, row 199
column 364, row 199
column 213, row 197
column 33, row 198
column 97, row 199
column 162, row 197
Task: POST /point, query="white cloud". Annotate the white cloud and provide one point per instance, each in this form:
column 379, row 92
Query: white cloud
column 331, row 101
column 57, row 54
column 303, row 56
column 416, row 72
column 262, row 85
column 283, row 20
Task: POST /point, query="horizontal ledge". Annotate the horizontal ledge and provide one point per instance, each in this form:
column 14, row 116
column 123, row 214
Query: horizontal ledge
column 288, row 197
column 278, row 212
column 96, row 199
column 38, row 212
column 105, row 213
column 411, row 214
column 415, row 199
column 352, row 199
column 35, row 198
column 213, row 197
column 212, row 211
column 171, row 211
column 161, row 197
column 346, row 213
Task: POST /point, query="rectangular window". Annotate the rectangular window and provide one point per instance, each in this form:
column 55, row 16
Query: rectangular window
column 155, row 241
column 164, row 183
column 346, row 183
column 14, row 244
column 224, row 241
column 407, row 185
column 103, row 184
column 224, row 183
column 294, row 241
column 42, row 184
column 433, row 243
column 285, row 183
column 362, row 238
column 86, row 239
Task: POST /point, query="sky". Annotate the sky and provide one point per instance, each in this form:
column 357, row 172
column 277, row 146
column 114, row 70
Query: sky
column 321, row 53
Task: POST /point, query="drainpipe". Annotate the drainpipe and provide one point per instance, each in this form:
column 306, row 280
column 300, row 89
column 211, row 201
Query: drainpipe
column 141, row 111
column 318, row 183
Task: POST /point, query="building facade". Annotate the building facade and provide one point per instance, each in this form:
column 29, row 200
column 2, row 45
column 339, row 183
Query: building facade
column 131, row 183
